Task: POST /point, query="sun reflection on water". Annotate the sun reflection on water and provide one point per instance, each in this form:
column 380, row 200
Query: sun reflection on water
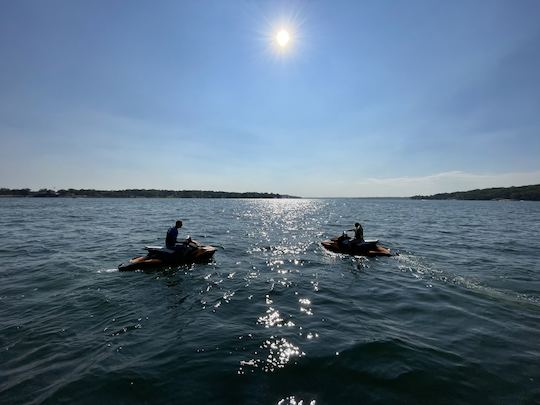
column 279, row 351
column 293, row 401
column 273, row 276
column 281, row 238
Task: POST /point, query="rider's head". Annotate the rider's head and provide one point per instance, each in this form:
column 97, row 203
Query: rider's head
column 356, row 225
column 179, row 224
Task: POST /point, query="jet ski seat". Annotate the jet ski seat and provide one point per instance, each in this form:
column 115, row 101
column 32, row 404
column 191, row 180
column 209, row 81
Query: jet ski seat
column 159, row 249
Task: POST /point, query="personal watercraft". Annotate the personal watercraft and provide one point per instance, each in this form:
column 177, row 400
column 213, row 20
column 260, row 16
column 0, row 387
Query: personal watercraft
column 188, row 252
column 344, row 244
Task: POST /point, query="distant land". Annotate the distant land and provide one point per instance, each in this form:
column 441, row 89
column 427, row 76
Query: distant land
column 529, row 193
column 134, row 193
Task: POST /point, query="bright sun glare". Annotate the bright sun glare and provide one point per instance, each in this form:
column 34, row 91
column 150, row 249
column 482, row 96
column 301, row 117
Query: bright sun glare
column 283, row 38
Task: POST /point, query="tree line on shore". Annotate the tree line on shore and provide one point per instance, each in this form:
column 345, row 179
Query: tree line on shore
column 529, row 193
column 134, row 193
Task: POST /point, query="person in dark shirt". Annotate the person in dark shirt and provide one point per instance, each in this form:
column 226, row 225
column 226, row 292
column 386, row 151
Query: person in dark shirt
column 358, row 232
column 172, row 235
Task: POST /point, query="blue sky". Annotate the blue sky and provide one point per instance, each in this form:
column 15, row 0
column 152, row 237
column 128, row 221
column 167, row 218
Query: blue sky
column 375, row 98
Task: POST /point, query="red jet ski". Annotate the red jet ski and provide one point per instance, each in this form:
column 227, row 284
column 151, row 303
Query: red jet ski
column 344, row 244
column 186, row 253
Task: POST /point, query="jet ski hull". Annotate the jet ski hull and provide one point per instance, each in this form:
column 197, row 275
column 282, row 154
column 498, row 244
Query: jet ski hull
column 192, row 252
column 350, row 247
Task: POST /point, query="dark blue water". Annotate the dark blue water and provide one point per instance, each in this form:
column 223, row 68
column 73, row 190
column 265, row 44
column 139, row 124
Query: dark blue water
column 455, row 318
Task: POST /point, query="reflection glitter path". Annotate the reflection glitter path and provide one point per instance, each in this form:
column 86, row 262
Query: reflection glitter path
column 273, row 277
column 279, row 244
column 293, row 401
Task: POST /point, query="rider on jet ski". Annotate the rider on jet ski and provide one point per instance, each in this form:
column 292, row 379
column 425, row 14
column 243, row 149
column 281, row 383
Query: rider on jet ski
column 358, row 235
column 358, row 232
column 172, row 235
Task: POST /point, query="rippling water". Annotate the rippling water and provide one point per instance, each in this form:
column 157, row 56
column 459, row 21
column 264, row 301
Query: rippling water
column 455, row 318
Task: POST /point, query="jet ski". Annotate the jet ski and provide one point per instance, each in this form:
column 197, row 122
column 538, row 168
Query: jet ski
column 185, row 253
column 344, row 244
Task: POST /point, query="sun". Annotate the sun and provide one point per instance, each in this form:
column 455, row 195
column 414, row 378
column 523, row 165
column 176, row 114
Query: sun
column 283, row 38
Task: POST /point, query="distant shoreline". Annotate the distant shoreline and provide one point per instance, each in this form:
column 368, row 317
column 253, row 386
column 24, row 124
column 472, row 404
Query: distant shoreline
column 522, row 193
column 134, row 193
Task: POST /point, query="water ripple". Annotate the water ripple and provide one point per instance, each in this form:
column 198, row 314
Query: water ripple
column 274, row 318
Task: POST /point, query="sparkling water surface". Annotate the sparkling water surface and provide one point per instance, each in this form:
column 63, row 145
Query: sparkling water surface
column 274, row 318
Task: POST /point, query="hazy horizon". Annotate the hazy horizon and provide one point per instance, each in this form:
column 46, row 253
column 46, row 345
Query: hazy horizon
column 365, row 99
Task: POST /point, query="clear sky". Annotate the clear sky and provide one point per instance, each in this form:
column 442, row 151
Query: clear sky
column 368, row 98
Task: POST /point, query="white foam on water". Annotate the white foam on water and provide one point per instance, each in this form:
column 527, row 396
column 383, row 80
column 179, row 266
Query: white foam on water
column 421, row 270
column 107, row 270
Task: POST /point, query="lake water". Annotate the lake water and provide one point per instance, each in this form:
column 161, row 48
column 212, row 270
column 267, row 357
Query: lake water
column 455, row 318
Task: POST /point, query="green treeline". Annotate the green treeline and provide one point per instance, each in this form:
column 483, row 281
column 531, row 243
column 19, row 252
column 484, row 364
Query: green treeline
column 531, row 193
column 134, row 193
